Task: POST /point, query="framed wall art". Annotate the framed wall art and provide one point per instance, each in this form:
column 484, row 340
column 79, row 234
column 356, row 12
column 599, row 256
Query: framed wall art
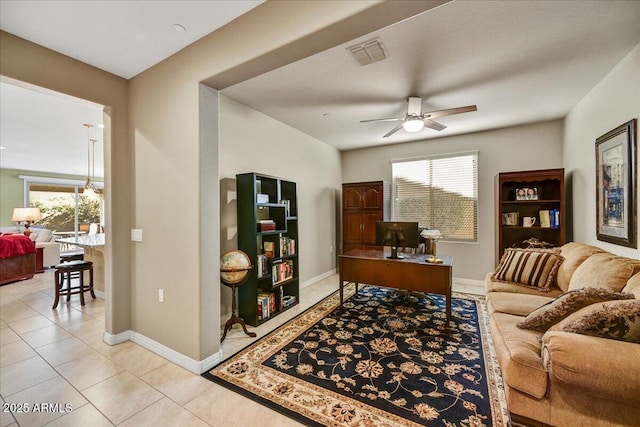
column 616, row 186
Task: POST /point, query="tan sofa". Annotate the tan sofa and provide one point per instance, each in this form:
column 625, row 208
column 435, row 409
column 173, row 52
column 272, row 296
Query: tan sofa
column 560, row 378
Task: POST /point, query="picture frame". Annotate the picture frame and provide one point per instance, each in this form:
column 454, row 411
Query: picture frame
column 527, row 193
column 510, row 218
column 616, row 186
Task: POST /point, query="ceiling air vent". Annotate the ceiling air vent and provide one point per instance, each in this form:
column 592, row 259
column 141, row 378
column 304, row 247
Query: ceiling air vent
column 368, row 52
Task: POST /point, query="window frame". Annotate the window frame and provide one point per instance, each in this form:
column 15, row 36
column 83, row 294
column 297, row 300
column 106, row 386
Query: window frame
column 475, row 155
column 76, row 184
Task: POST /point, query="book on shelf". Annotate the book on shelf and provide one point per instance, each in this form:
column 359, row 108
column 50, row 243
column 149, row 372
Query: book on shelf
column 287, row 246
column 288, row 300
column 263, row 266
column 555, row 218
column 281, row 271
column 266, row 305
column 545, row 219
column 266, row 225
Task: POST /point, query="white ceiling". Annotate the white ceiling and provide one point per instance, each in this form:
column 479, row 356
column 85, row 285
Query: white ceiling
column 519, row 61
column 122, row 37
column 43, row 131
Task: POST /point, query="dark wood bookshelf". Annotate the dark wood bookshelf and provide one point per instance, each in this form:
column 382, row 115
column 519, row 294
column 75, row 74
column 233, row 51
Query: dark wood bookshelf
column 550, row 187
column 281, row 207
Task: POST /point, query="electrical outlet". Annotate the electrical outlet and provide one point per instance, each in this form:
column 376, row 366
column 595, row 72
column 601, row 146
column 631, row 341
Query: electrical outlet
column 331, row 248
column 160, row 295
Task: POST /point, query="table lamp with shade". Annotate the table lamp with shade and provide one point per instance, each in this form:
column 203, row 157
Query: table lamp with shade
column 434, row 236
column 28, row 215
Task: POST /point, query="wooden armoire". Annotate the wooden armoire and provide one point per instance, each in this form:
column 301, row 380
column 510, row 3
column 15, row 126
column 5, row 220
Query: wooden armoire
column 363, row 203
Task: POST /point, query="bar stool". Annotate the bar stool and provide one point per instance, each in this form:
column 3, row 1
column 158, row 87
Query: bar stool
column 65, row 270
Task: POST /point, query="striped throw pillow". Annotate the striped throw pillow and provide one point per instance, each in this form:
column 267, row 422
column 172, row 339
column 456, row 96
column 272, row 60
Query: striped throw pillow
column 533, row 268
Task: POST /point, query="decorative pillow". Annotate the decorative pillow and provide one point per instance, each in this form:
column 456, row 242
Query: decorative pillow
column 533, row 268
column 604, row 270
column 43, row 236
column 542, row 318
column 618, row 322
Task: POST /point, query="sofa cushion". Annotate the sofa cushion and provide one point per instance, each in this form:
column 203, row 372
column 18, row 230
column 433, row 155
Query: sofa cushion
column 518, row 351
column 514, row 303
column 533, row 268
column 618, row 320
column 633, row 285
column 492, row 286
column 574, row 254
column 604, row 270
column 554, row 311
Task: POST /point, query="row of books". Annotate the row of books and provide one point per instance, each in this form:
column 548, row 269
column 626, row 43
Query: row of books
column 550, row 218
column 266, row 305
column 287, row 246
column 281, row 271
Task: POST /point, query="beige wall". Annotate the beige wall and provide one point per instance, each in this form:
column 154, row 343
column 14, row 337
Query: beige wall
column 536, row 146
column 30, row 63
column 164, row 166
column 167, row 132
column 253, row 142
column 614, row 101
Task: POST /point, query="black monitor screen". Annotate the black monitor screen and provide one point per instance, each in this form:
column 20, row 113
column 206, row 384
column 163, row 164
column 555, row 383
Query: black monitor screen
column 397, row 234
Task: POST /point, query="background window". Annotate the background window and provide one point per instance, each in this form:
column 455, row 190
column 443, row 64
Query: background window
column 439, row 193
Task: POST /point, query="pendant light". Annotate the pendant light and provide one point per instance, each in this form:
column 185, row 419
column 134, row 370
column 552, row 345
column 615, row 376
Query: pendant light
column 89, row 186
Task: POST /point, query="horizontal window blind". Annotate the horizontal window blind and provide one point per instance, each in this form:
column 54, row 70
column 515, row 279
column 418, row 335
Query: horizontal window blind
column 440, row 193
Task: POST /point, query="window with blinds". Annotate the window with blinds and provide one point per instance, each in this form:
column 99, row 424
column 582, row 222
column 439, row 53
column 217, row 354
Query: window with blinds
column 440, row 193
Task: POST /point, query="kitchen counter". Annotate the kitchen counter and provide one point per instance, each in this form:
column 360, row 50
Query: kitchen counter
column 93, row 246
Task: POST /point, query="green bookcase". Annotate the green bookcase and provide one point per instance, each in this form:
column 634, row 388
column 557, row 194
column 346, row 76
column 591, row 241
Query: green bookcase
column 268, row 233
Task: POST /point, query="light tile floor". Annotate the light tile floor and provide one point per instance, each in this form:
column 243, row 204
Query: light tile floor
column 57, row 357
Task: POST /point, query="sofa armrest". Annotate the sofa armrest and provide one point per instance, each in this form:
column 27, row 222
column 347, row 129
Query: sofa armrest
column 604, row 368
column 51, row 253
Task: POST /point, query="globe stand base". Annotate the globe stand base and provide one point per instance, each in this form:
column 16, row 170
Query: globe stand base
column 234, row 317
column 232, row 321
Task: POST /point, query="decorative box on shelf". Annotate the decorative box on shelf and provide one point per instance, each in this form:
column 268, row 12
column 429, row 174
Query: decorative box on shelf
column 262, row 198
column 266, row 225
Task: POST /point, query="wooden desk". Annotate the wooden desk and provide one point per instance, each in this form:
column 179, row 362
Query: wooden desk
column 411, row 273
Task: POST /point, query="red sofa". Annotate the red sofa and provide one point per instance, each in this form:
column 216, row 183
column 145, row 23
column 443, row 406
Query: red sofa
column 17, row 258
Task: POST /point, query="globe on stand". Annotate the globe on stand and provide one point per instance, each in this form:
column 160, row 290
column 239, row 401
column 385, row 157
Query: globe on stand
column 235, row 266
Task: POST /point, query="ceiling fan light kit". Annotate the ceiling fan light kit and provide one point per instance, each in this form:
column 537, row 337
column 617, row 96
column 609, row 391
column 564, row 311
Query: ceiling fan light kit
column 415, row 120
column 413, row 125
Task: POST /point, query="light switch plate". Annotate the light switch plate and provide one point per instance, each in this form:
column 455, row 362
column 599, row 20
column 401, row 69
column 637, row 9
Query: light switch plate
column 136, row 235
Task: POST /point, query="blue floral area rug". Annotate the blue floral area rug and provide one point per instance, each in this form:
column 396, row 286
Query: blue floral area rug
column 381, row 360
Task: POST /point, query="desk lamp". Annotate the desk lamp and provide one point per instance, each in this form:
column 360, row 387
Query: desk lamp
column 434, row 236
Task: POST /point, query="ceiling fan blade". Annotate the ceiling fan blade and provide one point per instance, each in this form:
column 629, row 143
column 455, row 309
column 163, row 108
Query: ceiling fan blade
column 433, row 125
column 393, row 119
column 394, row 130
column 449, row 112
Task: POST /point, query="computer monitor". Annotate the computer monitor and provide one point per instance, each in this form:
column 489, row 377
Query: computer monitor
column 397, row 234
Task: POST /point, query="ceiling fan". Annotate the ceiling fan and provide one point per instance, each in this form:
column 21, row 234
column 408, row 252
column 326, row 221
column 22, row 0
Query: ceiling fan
column 415, row 119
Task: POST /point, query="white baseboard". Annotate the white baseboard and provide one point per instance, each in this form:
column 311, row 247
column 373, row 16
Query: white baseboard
column 195, row 366
column 317, row 278
column 99, row 294
column 472, row 286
